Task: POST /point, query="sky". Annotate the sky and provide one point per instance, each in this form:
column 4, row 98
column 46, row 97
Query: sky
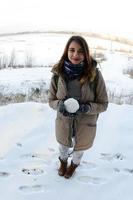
column 111, row 17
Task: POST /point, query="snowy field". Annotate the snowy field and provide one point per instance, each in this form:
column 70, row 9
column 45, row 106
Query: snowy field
column 29, row 156
column 45, row 50
column 28, row 149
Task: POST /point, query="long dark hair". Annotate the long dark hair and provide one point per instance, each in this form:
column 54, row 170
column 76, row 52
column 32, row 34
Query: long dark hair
column 88, row 61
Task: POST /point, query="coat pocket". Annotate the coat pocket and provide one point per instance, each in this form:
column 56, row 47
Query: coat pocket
column 91, row 125
column 89, row 133
column 86, row 135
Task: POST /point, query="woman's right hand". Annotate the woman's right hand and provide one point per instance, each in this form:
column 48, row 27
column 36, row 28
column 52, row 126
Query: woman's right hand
column 61, row 107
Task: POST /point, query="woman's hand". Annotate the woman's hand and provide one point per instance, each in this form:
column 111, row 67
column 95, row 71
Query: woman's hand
column 84, row 108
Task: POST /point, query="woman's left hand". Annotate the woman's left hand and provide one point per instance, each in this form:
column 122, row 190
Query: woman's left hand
column 84, row 108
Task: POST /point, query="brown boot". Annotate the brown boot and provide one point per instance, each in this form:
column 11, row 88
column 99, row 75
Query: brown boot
column 70, row 170
column 63, row 167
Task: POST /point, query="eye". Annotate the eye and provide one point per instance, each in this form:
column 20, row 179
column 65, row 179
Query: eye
column 71, row 50
column 80, row 51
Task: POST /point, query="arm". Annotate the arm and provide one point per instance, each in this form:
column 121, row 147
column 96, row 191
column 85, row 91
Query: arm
column 101, row 103
column 52, row 99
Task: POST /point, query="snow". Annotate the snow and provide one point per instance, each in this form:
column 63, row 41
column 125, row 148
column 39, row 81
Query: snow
column 71, row 105
column 29, row 156
column 22, row 80
column 28, row 148
column 117, row 83
column 40, row 48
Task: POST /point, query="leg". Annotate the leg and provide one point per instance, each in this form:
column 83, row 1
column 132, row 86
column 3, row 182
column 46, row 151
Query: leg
column 63, row 152
column 63, row 156
column 77, row 155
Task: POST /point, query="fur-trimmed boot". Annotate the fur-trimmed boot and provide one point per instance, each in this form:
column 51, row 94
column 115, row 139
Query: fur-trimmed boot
column 63, row 167
column 70, row 170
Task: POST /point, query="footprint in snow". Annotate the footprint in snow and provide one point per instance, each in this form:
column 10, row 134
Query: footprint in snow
column 19, row 144
column 35, row 157
column 130, row 171
column 33, row 188
column 92, row 180
column 4, row 174
column 44, row 156
column 111, row 157
column 87, row 165
column 117, row 170
column 33, row 171
column 127, row 170
column 51, row 149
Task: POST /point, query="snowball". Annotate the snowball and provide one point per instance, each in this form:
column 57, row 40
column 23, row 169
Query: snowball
column 71, row 105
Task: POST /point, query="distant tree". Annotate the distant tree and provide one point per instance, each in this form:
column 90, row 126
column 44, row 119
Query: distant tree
column 28, row 59
column 12, row 61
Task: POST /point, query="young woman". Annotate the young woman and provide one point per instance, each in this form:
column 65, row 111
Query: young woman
column 78, row 82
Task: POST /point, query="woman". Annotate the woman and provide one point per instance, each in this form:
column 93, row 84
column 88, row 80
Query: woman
column 76, row 77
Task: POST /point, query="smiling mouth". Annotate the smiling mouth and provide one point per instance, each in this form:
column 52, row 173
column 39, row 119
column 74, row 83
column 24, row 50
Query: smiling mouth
column 76, row 60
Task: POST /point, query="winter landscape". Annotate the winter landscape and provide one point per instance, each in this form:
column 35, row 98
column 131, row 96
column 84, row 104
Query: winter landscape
column 28, row 149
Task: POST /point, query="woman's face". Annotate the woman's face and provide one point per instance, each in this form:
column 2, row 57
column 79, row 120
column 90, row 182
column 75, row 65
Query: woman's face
column 75, row 53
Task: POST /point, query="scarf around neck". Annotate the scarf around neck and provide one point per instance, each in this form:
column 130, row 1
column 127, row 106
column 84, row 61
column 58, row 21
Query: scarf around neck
column 73, row 71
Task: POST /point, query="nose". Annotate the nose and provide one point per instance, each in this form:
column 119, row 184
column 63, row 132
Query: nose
column 76, row 54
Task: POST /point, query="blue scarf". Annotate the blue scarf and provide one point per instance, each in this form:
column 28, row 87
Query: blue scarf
column 73, row 71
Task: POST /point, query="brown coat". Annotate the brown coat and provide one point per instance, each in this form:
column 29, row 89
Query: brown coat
column 85, row 123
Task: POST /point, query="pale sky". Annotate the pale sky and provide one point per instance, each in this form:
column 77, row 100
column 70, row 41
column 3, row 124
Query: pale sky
column 109, row 16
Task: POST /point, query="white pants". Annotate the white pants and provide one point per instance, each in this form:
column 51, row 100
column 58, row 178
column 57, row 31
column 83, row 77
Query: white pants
column 64, row 154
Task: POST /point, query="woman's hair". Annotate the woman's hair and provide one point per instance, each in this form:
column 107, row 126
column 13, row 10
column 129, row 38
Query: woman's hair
column 88, row 61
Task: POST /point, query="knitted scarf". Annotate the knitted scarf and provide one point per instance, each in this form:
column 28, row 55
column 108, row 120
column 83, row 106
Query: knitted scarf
column 73, row 71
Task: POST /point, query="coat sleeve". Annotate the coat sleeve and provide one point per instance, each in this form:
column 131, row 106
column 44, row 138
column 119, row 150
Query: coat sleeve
column 52, row 98
column 101, row 103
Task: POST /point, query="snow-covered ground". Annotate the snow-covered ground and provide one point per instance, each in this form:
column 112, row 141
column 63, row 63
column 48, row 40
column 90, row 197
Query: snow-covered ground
column 43, row 48
column 119, row 85
column 29, row 156
column 28, row 149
